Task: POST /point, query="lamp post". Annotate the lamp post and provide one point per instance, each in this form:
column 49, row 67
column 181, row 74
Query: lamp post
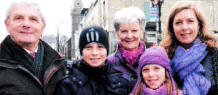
column 158, row 3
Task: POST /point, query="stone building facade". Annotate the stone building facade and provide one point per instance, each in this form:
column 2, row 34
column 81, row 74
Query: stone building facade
column 100, row 12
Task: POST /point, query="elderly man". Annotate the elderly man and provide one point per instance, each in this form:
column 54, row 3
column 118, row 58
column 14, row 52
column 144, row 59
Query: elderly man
column 28, row 66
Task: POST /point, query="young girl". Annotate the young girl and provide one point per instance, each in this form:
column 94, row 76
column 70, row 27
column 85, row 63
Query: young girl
column 154, row 70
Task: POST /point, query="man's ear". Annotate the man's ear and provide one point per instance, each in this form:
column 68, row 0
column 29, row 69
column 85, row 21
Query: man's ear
column 6, row 23
column 43, row 27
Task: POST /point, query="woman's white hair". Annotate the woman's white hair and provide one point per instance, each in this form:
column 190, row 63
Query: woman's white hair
column 129, row 15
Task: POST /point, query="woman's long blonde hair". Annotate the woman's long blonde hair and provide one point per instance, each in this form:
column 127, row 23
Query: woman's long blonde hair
column 205, row 34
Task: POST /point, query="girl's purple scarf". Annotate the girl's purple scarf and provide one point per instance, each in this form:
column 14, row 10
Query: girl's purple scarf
column 186, row 64
column 148, row 91
column 160, row 91
column 130, row 57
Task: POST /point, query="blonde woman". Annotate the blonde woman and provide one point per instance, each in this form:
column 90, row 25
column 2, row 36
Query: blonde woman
column 192, row 47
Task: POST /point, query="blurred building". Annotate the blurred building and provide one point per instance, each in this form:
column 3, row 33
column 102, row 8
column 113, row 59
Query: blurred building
column 51, row 40
column 209, row 8
column 100, row 12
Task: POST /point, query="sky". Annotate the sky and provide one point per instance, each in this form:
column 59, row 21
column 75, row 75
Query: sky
column 57, row 15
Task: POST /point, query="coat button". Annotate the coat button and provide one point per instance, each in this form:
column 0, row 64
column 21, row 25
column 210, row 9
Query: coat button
column 74, row 78
column 80, row 82
column 118, row 84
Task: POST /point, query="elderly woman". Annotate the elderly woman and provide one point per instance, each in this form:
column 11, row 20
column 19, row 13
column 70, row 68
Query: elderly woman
column 192, row 47
column 129, row 24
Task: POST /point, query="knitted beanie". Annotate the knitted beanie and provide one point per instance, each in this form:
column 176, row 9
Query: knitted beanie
column 154, row 55
column 158, row 56
column 93, row 34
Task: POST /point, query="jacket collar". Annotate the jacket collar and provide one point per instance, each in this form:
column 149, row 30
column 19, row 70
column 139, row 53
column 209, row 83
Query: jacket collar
column 52, row 69
column 11, row 51
column 122, row 60
column 82, row 73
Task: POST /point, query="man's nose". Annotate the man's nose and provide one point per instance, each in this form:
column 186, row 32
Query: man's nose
column 26, row 23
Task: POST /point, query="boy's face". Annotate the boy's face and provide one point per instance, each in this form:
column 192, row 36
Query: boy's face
column 94, row 54
column 153, row 75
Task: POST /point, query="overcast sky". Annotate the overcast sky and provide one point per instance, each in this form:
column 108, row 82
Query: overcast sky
column 56, row 12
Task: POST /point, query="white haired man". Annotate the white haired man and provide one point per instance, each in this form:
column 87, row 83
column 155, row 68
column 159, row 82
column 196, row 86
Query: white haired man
column 28, row 65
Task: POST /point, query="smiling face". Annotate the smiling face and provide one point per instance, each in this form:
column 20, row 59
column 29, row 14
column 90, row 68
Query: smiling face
column 186, row 26
column 25, row 24
column 153, row 75
column 94, row 54
column 129, row 36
